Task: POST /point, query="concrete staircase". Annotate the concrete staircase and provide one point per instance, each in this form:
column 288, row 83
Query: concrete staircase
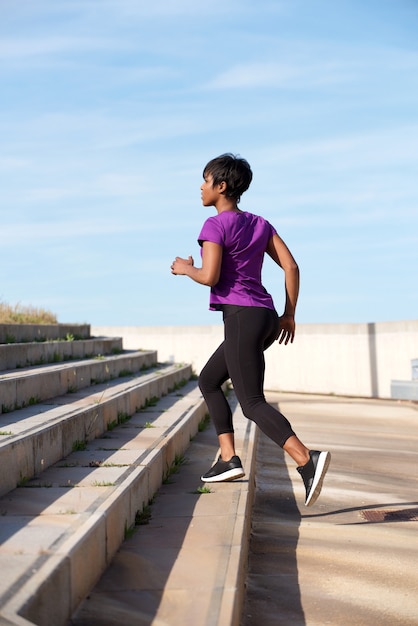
column 88, row 432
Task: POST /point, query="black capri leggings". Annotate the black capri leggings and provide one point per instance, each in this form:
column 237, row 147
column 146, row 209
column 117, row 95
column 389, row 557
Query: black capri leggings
column 248, row 332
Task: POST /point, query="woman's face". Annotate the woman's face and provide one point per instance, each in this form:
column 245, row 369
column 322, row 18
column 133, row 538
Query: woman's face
column 209, row 193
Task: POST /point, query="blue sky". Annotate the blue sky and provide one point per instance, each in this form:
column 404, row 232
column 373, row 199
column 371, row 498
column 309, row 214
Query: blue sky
column 111, row 108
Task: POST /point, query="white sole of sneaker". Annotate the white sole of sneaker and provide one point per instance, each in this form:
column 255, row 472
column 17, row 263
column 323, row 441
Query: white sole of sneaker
column 232, row 474
column 321, row 470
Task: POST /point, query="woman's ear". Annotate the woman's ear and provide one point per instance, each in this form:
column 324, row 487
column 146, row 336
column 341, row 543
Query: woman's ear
column 222, row 187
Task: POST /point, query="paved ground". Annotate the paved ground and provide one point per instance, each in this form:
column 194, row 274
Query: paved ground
column 350, row 560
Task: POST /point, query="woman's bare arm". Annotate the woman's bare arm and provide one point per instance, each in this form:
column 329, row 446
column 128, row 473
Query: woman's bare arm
column 280, row 253
column 210, row 271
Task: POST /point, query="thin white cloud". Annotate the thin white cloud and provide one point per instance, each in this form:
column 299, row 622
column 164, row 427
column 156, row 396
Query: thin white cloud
column 87, row 221
column 303, row 66
column 98, row 129
column 8, row 164
column 110, row 185
column 253, row 75
column 20, row 48
column 116, row 11
column 18, row 233
column 169, row 9
column 279, row 75
column 396, row 144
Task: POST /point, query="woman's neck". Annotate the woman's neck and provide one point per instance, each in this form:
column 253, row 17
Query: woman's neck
column 226, row 204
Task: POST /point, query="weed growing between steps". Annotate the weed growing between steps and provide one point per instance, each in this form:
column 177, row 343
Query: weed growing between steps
column 16, row 407
column 178, row 385
column 125, row 373
column 204, row 423
column 202, row 490
column 79, row 446
column 141, row 519
column 121, row 419
column 149, row 402
column 179, row 460
column 102, row 483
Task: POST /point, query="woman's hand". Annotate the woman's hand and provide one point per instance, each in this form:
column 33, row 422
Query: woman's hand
column 179, row 265
column 287, row 329
column 210, row 271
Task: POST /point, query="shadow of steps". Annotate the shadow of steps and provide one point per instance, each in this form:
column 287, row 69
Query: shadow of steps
column 61, row 529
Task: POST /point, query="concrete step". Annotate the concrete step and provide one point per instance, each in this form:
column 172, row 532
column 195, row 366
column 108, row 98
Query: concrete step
column 19, row 388
column 34, row 438
column 61, row 529
column 14, row 355
column 17, row 333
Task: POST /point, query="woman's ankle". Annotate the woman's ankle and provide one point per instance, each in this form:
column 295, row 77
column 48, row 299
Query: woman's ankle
column 299, row 452
column 227, row 446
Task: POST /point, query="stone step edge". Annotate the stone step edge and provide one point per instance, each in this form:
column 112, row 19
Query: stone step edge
column 28, row 454
column 16, row 355
column 51, row 595
column 39, row 332
column 44, row 382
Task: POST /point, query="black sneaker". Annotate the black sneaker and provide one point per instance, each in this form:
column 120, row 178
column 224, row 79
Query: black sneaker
column 224, row 470
column 313, row 474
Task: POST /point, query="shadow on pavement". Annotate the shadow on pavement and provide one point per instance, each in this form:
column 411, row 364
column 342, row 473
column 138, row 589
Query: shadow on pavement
column 272, row 587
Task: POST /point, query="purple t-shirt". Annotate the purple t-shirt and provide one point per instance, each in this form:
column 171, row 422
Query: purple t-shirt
column 244, row 238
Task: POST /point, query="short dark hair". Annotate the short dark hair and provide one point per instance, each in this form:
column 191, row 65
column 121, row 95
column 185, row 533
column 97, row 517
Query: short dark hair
column 233, row 170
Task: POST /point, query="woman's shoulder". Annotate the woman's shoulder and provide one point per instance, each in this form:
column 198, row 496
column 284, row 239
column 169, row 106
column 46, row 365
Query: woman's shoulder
column 239, row 218
column 237, row 215
column 255, row 218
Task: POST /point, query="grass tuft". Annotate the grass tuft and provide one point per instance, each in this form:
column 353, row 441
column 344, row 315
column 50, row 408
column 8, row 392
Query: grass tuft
column 179, row 460
column 204, row 423
column 201, row 490
column 79, row 446
column 22, row 314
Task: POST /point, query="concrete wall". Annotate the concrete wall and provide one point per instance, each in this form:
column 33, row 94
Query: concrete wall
column 342, row 359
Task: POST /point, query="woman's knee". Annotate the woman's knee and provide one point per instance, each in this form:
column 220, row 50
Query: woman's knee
column 253, row 408
column 207, row 383
column 201, row 381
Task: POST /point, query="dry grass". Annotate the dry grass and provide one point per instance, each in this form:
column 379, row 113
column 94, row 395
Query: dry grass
column 20, row 314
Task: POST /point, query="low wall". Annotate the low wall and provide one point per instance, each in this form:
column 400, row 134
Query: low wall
column 343, row 359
